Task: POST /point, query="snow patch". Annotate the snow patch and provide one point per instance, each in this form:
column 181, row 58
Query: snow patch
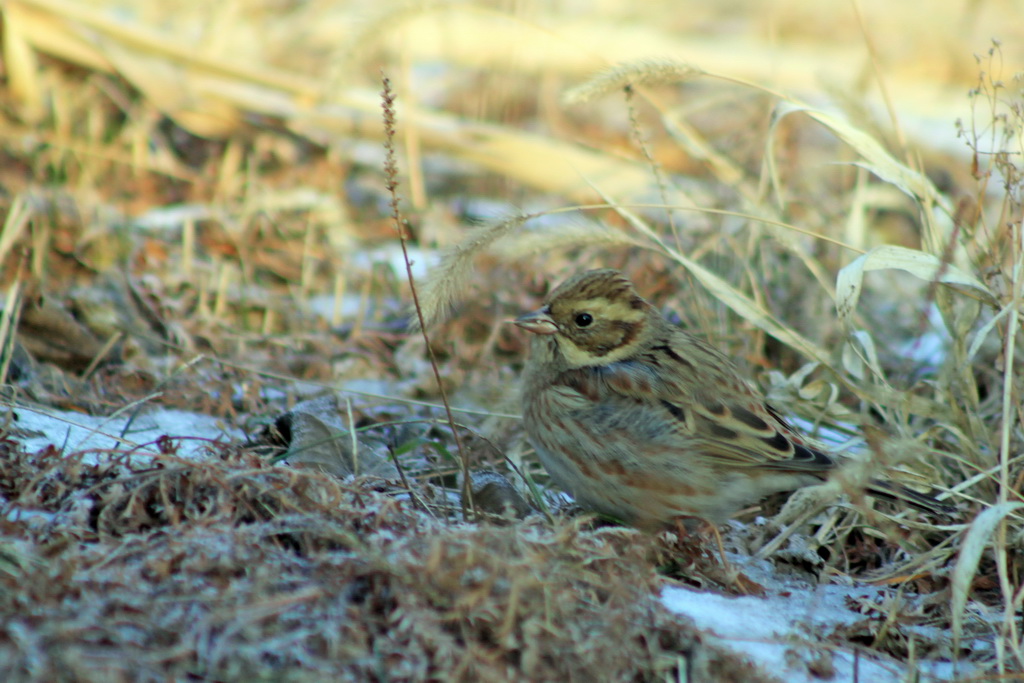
column 779, row 633
column 38, row 428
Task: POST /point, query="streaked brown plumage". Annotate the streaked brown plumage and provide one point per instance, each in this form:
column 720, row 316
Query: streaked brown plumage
column 645, row 423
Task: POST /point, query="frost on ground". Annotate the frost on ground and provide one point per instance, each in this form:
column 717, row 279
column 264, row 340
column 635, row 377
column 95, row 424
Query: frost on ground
column 39, row 427
column 786, row 633
column 218, row 563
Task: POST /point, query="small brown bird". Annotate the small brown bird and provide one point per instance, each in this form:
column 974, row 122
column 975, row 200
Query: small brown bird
column 645, row 423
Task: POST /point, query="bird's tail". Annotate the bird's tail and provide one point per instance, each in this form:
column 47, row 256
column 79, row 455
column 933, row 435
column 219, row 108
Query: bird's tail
column 901, row 494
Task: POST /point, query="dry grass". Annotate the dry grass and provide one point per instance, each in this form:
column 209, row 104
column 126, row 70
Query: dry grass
column 235, row 569
column 196, row 216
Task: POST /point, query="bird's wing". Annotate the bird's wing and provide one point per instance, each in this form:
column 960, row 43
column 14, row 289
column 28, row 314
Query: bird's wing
column 714, row 412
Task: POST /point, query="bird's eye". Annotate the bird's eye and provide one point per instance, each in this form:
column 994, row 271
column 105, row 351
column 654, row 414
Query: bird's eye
column 583, row 319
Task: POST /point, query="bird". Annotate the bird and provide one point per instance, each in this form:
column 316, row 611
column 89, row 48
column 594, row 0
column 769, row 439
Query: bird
column 647, row 424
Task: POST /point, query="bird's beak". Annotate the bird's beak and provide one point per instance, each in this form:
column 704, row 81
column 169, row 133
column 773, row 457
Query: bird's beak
column 538, row 322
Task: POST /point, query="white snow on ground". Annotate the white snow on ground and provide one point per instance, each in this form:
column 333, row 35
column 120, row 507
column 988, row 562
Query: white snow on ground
column 36, row 428
column 931, row 347
column 779, row 633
